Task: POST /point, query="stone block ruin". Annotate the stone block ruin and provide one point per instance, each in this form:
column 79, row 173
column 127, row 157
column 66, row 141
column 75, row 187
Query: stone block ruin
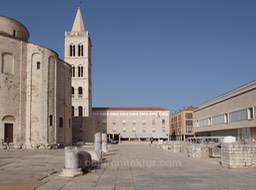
column 78, row 161
column 231, row 154
column 238, row 155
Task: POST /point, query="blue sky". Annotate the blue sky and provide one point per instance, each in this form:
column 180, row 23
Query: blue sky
column 166, row 53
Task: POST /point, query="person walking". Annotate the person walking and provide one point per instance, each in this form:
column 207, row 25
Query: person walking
column 151, row 141
column 7, row 144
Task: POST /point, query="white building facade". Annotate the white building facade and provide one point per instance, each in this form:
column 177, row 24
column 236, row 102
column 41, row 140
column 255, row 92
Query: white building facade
column 233, row 113
column 35, row 91
column 137, row 123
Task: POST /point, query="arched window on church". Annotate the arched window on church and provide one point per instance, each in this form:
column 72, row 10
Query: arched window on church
column 80, row 50
column 73, row 111
column 80, row 71
column 7, row 63
column 80, row 92
column 61, row 122
column 72, row 50
column 80, row 111
column 73, row 91
column 50, row 120
column 38, row 65
column 73, row 71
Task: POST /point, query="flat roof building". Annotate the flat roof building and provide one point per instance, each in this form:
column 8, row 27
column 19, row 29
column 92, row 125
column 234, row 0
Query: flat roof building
column 129, row 123
column 182, row 124
column 230, row 114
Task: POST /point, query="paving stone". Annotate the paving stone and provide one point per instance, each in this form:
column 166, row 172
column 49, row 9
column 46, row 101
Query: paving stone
column 130, row 167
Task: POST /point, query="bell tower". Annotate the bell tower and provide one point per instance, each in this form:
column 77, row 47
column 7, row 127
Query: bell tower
column 78, row 54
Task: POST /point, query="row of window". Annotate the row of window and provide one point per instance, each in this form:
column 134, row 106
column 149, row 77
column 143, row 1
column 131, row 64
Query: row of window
column 80, row 91
column 80, row 111
column 179, row 124
column 72, row 50
column 134, row 130
column 134, row 122
column 130, row 113
column 61, row 124
column 133, row 125
column 188, row 130
column 80, row 71
column 8, row 64
column 240, row 115
column 187, row 116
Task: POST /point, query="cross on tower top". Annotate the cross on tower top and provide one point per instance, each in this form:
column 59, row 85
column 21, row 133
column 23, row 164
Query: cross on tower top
column 79, row 3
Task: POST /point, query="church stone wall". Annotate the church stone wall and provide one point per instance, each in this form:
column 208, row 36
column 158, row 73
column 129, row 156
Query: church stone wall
column 64, row 103
column 38, row 76
column 12, row 86
column 35, row 90
column 49, row 99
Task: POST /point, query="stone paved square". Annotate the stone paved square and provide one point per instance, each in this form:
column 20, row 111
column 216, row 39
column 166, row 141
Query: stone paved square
column 125, row 167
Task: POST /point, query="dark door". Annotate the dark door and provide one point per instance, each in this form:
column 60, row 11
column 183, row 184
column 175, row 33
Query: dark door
column 8, row 132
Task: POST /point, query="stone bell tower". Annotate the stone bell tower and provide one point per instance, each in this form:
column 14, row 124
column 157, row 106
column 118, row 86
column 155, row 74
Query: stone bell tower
column 78, row 55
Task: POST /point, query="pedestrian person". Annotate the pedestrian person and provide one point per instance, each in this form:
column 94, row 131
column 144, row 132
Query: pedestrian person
column 7, row 144
column 151, row 141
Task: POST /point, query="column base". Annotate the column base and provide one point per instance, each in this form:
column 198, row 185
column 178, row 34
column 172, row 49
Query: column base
column 71, row 172
column 104, row 150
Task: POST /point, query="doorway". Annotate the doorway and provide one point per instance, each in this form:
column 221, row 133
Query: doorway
column 8, row 132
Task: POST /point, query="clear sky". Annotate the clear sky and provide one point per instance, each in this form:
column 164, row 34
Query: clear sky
column 165, row 53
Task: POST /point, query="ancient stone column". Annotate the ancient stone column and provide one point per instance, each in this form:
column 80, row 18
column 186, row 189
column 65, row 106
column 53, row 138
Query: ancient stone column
column 97, row 147
column 97, row 142
column 71, row 163
column 104, row 142
column 71, row 157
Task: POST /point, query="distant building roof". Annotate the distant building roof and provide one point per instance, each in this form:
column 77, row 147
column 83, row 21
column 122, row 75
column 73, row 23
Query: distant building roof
column 129, row 109
column 190, row 108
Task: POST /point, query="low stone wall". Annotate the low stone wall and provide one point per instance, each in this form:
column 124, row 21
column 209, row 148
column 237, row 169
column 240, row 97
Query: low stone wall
column 215, row 152
column 175, row 147
column 233, row 155
column 191, row 149
column 238, row 155
column 198, row 151
column 184, row 147
column 171, row 146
